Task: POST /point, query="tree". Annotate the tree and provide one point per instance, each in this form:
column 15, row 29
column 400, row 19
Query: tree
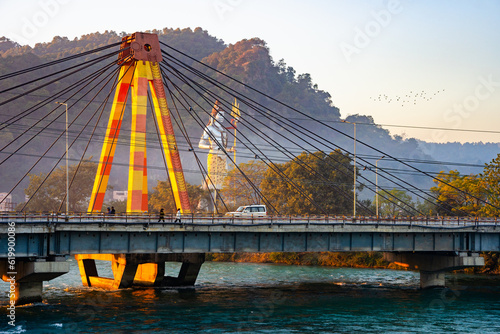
column 120, row 206
column 50, row 195
column 365, row 207
column 459, row 195
column 162, row 197
column 427, row 206
column 237, row 190
column 324, row 183
column 447, row 197
column 395, row 203
column 472, row 194
column 491, row 186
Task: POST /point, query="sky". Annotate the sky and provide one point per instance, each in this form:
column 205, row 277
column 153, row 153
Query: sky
column 423, row 69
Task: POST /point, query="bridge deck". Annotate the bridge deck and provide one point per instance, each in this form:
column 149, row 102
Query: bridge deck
column 42, row 236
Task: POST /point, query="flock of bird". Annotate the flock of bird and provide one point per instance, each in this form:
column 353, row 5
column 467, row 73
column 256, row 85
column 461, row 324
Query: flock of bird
column 412, row 97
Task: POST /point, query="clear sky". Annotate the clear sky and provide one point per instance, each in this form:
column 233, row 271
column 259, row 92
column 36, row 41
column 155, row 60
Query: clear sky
column 413, row 63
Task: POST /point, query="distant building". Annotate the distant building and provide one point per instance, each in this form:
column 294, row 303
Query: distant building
column 6, row 204
column 120, row 195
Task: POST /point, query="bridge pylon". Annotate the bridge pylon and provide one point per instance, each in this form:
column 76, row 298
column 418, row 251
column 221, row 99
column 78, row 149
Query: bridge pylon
column 139, row 69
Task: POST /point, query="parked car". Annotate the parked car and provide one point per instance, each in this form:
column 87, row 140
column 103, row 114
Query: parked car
column 251, row 211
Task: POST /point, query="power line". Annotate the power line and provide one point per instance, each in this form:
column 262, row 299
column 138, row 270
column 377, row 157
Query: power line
column 253, row 105
column 261, row 151
column 341, row 122
column 218, row 84
column 324, row 124
column 125, row 137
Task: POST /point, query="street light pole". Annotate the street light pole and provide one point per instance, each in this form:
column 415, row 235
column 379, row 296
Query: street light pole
column 376, row 183
column 354, row 169
column 67, row 174
column 354, row 204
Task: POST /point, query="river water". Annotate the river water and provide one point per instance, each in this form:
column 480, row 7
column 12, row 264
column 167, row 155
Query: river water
column 266, row 298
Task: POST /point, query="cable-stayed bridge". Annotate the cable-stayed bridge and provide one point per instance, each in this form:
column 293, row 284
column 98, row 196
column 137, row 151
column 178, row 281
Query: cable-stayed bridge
column 144, row 75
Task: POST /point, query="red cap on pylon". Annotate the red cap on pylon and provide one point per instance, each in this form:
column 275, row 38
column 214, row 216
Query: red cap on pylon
column 140, row 46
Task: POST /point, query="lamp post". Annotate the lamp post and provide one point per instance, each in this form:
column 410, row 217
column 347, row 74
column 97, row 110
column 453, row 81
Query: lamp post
column 67, row 174
column 354, row 206
column 376, row 183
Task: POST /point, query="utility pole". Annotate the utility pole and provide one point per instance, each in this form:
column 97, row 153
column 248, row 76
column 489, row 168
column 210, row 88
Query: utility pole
column 376, row 183
column 67, row 174
column 354, row 204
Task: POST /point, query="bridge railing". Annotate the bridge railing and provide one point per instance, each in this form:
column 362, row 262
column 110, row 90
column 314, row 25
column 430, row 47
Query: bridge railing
column 204, row 219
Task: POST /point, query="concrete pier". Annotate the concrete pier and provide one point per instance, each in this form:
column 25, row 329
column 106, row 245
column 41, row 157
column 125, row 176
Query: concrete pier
column 139, row 270
column 191, row 265
column 432, row 266
column 432, row 279
column 28, row 277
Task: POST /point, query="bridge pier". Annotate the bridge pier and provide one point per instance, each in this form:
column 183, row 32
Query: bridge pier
column 432, row 279
column 140, row 269
column 189, row 271
column 26, row 279
column 432, row 266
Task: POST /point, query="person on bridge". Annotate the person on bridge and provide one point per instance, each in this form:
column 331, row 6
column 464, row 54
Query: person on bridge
column 112, row 210
column 162, row 216
column 178, row 216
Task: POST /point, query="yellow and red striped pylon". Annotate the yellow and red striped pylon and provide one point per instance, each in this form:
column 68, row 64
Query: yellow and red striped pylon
column 140, row 69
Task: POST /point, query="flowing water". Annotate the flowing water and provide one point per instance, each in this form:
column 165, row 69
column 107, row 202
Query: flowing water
column 266, row 298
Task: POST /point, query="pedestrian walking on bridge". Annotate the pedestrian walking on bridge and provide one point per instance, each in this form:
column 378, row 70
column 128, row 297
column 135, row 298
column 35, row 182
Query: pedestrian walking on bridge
column 178, row 216
column 162, row 216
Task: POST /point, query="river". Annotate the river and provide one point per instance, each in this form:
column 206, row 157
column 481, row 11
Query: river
column 266, row 298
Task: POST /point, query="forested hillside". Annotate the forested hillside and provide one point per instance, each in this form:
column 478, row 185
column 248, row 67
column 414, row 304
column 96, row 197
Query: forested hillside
column 248, row 61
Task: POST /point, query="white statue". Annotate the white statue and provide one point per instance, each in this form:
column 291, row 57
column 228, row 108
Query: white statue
column 215, row 139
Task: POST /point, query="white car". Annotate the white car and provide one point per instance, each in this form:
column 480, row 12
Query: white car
column 253, row 211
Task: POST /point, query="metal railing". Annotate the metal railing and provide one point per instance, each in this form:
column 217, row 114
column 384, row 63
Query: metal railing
column 221, row 219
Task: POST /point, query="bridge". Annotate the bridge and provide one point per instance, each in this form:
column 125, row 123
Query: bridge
column 35, row 247
column 138, row 245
